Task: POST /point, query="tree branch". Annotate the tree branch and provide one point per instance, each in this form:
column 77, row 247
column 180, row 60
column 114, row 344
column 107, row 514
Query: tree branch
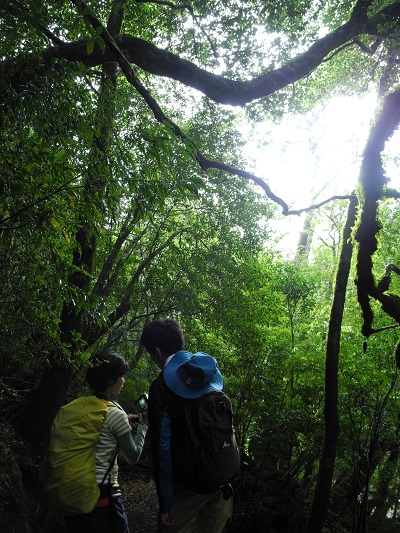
column 102, row 286
column 124, row 306
column 222, row 90
column 187, row 7
column 173, row 6
column 360, row 9
column 162, row 118
column 320, row 204
column 126, row 253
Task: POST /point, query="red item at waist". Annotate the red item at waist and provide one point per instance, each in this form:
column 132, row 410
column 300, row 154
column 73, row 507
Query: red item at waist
column 103, row 501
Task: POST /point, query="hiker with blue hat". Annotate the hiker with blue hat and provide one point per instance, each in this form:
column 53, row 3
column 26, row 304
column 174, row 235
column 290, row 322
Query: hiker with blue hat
column 185, row 378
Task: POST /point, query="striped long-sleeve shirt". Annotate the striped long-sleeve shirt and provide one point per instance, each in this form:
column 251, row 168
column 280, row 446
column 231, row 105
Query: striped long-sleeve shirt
column 116, row 430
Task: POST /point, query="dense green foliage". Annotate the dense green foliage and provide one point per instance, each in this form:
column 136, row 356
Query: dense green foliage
column 125, row 195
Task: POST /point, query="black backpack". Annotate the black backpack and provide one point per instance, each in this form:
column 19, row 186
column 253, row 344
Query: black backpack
column 209, row 456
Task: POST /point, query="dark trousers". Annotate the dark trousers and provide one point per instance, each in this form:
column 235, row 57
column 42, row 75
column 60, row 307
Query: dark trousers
column 109, row 519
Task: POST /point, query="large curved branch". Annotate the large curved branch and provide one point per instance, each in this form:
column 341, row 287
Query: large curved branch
column 222, row 90
column 114, row 52
column 127, row 49
column 204, row 163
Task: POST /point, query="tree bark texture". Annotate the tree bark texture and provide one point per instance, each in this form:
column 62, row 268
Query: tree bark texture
column 372, row 184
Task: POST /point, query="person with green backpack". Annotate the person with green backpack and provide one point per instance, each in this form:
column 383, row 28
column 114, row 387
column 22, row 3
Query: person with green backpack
column 79, row 476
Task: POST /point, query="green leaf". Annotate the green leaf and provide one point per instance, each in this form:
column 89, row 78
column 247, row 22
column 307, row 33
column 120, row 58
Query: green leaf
column 90, row 46
column 55, row 224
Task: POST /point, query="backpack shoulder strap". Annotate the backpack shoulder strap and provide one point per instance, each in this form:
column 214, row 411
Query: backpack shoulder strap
column 191, row 414
column 110, row 403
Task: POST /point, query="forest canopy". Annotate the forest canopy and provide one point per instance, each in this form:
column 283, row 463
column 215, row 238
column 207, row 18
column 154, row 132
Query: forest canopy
column 126, row 194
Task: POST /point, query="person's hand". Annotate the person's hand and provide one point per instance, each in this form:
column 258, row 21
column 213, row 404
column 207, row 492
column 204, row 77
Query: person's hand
column 144, row 417
column 167, row 519
column 133, row 420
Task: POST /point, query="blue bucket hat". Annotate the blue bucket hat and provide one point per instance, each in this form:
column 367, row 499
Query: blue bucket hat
column 192, row 375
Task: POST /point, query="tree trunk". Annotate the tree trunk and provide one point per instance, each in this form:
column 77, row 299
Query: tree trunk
column 305, row 239
column 380, row 503
column 34, row 421
column 320, row 503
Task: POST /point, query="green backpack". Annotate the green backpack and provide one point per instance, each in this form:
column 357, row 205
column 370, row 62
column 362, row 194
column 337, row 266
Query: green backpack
column 67, row 479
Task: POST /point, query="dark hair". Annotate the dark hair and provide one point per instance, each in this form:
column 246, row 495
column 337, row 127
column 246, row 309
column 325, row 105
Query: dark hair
column 164, row 334
column 106, row 367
